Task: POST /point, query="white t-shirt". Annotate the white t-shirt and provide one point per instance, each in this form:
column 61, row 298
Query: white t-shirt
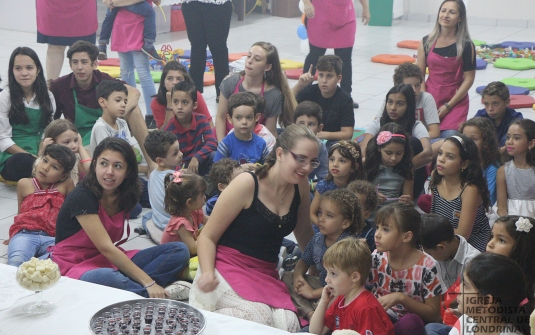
column 426, row 109
column 419, row 131
column 102, row 130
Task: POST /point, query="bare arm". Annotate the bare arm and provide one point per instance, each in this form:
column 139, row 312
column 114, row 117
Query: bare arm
column 406, row 193
column 84, row 156
column 237, row 196
column 424, row 157
column 304, row 80
column 188, row 239
column 429, row 310
column 317, row 322
column 303, row 231
column 421, row 62
column 470, row 200
column 314, row 206
column 271, row 124
column 345, row 133
column 365, row 12
column 221, row 118
column 99, row 236
column 24, row 188
column 501, row 191
column 433, row 130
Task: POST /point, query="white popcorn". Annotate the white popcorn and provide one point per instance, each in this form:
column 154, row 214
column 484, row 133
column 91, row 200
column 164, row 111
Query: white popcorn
column 38, row 275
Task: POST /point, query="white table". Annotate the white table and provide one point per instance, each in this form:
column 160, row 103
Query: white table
column 77, row 301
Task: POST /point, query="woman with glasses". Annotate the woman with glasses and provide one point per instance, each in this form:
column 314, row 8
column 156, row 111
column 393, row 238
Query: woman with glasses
column 239, row 246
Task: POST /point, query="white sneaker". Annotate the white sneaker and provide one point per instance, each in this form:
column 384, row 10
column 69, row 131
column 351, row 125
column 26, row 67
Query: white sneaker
column 179, row 290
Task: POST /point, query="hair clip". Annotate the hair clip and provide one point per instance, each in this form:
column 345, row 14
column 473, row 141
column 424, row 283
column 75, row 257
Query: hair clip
column 385, row 136
column 523, row 224
column 176, row 177
column 349, row 147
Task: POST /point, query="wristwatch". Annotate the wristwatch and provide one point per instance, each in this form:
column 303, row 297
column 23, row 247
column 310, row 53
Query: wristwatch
column 447, row 106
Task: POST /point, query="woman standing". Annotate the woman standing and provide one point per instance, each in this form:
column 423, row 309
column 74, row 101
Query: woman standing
column 91, row 222
column 262, row 75
column 239, row 245
column 332, row 24
column 208, row 24
column 60, row 24
column 450, row 55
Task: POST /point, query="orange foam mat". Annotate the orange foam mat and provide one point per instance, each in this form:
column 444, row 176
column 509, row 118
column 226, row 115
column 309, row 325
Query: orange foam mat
column 209, row 79
column 409, row 44
column 296, row 73
column 392, row 59
column 235, row 56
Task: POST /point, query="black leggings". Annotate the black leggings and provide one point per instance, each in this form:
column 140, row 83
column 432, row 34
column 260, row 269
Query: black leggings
column 344, row 54
column 420, row 175
column 208, row 25
column 18, row 166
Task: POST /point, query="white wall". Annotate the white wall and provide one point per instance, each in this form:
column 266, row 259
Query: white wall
column 517, row 13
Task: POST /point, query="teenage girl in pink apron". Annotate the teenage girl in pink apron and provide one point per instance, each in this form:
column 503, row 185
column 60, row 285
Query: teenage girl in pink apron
column 91, row 224
column 450, row 75
column 263, row 75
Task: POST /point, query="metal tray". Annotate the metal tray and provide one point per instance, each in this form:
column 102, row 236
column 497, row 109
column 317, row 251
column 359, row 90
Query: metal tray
column 191, row 314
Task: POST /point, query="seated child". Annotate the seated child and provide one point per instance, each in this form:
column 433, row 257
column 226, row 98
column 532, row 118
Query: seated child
column 406, row 281
column 221, row 174
column 143, row 8
column 348, row 263
column 243, row 145
column 368, row 199
column 40, row 198
column 194, row 134
column 452, row 252
column 337, row 105
column 184, row 199
column 162, row 147
column 309, row 114
column 495, row 97
column 339, row 216
column 426, row 107
column 260, row 129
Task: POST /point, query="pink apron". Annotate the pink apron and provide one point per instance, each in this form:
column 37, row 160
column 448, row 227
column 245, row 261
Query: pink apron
column 77, row 254
column 334, row 25
column 237, row 90
column 446, row 75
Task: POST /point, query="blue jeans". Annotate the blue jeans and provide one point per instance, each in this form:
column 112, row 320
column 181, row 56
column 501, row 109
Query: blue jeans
column 448, row 133
column 437, row 329
column 140, row 62
column 27, row 244
column 142, row 8
column 162, row 263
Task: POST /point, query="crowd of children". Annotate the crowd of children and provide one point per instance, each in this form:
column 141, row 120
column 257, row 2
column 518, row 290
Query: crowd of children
column 376, row 264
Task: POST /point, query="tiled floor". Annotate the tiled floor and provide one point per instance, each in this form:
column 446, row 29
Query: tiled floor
column 371, row 81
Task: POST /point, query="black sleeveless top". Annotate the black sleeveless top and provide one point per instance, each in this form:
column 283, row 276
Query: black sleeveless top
column 257, row 231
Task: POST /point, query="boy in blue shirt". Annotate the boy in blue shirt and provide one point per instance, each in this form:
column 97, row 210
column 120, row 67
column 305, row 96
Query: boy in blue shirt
column 495, row 97
column 243, row 144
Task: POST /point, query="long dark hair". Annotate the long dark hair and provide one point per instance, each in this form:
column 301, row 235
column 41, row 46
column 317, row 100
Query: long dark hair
column 472, row 174
column 490, row 153
column 523, row 249
column 130, row 188
column 408, row 120
column 170, row 66
column 17, row 112
column 373, row 161
column 502, row 278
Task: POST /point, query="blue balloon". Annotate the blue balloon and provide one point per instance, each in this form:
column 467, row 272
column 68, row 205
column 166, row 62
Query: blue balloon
column 302, row 32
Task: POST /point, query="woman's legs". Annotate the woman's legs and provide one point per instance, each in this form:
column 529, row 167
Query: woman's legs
column 347, row 71
column 55, row 55
column 193, row 16
column 312, row 58
column 27, row 244
column 217, row 26
column 141, row 63
column 127, row 68
column 162, row 263
column 18, row 166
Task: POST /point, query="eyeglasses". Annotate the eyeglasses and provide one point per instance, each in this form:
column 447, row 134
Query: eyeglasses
column 303, row 161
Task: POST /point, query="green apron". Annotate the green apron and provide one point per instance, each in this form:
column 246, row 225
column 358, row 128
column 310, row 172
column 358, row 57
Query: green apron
column 84, row 119
column 27, row 136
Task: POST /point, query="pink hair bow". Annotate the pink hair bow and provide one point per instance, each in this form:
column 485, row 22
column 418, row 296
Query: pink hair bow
column 385, row 136
column 176, row 176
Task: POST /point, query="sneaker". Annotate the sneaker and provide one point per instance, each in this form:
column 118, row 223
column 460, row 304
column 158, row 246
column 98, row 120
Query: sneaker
column 149, row 121
column 151, row 51
column 102, row 52
column 179, row 290
column 355, row 105
column 291, row 259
